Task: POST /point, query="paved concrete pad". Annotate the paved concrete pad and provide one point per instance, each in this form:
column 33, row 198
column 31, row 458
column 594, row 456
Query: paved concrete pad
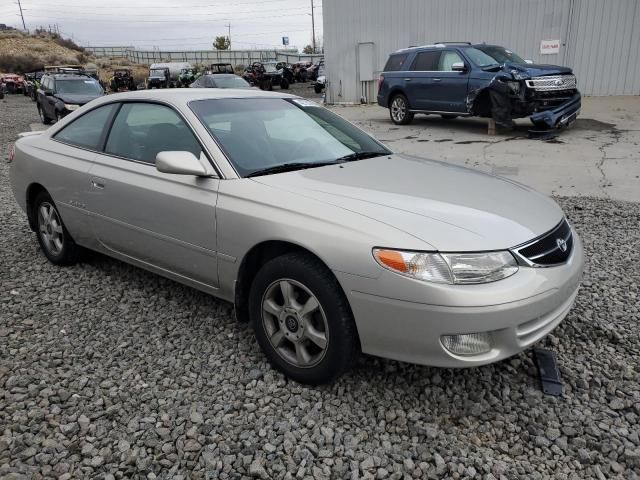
column 599, row 156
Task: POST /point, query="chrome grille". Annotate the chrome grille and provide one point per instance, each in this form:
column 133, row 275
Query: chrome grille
column 552, row 248
column 552, row 83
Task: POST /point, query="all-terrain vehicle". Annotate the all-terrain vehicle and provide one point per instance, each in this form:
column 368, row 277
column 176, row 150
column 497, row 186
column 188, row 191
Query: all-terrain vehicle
column 187, row 77
column 159, row 78
column 286, row 71
column 265, row 76
column 221, row 68
column 13, row 82
column 122, row 79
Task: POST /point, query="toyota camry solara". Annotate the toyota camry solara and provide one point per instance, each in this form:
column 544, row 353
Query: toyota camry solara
column 324, row 239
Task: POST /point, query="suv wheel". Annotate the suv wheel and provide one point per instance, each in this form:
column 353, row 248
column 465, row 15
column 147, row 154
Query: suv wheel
column 43, row 116
column 302, row 320
column 399, row 110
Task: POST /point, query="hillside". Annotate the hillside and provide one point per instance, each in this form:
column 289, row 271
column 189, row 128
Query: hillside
column 21, row 52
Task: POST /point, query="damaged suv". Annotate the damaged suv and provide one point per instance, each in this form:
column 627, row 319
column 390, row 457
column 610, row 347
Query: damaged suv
column 461, row 79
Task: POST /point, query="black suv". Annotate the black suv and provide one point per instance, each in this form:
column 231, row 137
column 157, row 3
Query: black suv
column 61, row 93
column 461, row 79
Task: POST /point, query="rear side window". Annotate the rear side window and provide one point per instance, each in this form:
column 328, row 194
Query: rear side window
column 142, row 130
column 426, row 61
column 86, row 131
column 395, row 62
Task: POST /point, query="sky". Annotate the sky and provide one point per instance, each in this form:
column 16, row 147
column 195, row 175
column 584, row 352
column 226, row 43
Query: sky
column 177, row 25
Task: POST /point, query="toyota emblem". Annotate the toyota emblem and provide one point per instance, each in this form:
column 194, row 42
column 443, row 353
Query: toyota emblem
column 558, row 82
column 562, row 244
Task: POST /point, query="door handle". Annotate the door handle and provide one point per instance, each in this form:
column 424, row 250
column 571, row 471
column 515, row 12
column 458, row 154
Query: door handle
column 437, row 79
column 407, row 79
column 97, row 183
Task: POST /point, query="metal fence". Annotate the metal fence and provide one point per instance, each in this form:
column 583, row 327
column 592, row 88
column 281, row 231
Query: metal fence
column 235, row 57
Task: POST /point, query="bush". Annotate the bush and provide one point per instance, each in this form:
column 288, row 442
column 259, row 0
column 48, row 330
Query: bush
column 67, row 43
column 20, row 63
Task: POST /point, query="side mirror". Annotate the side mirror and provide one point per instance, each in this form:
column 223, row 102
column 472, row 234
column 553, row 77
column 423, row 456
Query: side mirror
column 528, row 61
column 458, row 67
column 180, row 163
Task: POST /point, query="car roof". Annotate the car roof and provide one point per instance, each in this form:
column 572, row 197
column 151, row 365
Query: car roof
column 69, row 76
column 433, row 46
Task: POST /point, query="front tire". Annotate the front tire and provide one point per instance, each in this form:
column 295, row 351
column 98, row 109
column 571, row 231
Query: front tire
column 318, row 88
column 302, row 320
column 399, row 110
column 43, row 116
column 53, row 237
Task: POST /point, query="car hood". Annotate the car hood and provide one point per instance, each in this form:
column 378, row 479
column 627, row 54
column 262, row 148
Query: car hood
column 76, row 99
column 536, row 70
column 450, row 208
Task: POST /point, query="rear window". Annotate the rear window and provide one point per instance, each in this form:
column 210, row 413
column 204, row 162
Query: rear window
column 395, row 62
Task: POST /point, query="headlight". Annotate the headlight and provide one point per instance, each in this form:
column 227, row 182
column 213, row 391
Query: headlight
column 71, row 107
column 451, row 268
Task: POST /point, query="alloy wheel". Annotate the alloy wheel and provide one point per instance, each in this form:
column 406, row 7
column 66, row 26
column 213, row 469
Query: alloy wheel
column 398, row 109
column 295, row 323
column 50, row 228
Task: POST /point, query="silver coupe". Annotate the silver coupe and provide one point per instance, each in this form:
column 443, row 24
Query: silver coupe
column 323, row 238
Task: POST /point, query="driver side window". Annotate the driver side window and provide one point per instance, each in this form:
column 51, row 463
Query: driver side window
column 142, row 130
column 447, row 59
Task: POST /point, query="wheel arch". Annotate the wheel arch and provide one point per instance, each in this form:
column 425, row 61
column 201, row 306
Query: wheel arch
column 393, row 93
column 251, row 263
column 33, row 191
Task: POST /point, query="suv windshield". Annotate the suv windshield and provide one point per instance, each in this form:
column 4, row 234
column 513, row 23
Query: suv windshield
column 265, row 133
column 78, row 87
column 157, row 72
column 501, row 54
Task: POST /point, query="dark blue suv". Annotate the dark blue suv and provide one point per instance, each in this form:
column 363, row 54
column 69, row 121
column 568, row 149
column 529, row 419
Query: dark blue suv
column 461, row 79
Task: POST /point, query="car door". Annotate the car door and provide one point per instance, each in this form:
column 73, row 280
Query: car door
column 419, row 80
column 161, row 220
column 71, row 151
column 450, row 87
column 47, row 102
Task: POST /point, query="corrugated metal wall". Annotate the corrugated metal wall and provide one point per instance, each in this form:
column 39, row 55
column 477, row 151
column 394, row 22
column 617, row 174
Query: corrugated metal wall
column 600, row 38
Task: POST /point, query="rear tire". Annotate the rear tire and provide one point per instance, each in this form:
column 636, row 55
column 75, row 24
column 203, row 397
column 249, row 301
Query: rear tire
column 317, row 88
column 284, row 84
column 53, row 237
column 399, row 110
column 308, row 334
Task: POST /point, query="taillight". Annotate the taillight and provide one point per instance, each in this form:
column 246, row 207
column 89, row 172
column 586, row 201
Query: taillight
column 380, row 80
column 12, row 153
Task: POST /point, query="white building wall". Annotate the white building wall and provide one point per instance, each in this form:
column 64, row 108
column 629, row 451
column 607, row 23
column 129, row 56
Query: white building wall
column 600, row 39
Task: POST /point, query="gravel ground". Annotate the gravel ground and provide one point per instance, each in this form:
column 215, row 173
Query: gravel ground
column 107, row 371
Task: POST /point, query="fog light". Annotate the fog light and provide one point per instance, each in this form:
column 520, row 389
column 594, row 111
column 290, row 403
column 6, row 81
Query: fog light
column 467, row 344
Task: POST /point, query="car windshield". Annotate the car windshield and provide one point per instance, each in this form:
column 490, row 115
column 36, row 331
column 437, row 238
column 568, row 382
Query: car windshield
column 230, row 82
column 267, row 133
column 158, row 72
column 501, row 54
column 269, row 67
column 78, row 87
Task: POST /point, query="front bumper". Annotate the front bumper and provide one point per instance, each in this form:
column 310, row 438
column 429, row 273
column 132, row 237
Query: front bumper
column 561, row 116
column 517, row 311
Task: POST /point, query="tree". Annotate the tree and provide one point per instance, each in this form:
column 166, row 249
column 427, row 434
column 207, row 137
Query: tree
column 308, row 50
column 222, row 43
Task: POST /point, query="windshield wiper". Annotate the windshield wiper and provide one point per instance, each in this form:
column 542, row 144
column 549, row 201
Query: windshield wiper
column 358, row 156
column 288, row 167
